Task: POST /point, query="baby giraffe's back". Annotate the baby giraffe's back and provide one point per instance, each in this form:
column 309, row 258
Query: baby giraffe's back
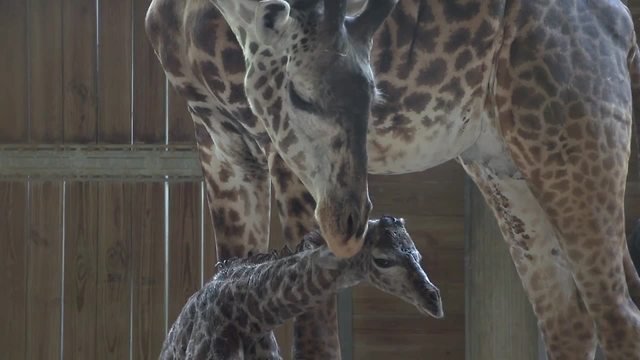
column 233, row 315
column 227, row 319
column 202, row 331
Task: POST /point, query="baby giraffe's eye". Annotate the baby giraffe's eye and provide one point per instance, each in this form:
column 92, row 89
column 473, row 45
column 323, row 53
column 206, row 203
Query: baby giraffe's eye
column 383, row 263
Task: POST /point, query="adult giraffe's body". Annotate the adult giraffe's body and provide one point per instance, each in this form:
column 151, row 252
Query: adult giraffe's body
column 533, row 98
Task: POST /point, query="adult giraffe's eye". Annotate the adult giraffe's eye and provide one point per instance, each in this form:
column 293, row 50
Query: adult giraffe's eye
column 383, row 263
column 299, row 102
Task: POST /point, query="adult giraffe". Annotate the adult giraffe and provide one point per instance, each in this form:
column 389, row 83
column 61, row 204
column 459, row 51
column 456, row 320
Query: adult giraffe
column 533, row 98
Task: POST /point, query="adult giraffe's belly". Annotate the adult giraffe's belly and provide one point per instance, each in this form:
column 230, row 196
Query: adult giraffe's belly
column 418, row 141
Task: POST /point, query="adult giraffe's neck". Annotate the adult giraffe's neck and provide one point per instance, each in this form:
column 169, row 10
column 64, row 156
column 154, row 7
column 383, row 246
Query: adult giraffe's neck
column 298, row 283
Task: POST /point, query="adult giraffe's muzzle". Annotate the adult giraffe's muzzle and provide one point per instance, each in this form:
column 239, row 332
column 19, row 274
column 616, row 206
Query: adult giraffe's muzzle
column 343, row 223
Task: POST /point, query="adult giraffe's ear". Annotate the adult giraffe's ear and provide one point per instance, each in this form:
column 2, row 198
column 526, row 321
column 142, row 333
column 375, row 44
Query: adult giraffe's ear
column 271, row 21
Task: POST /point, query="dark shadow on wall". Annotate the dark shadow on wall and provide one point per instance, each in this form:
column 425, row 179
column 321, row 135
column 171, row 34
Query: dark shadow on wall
column 633, row 242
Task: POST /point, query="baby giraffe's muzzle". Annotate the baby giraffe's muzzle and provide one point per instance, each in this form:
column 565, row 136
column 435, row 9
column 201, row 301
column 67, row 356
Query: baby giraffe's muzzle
column 426, row 296
column 433, row 303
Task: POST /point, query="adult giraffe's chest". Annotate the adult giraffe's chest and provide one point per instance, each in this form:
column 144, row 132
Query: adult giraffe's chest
column 434, row 64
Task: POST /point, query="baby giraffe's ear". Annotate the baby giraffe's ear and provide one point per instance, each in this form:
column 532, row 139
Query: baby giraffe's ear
column 271, row 21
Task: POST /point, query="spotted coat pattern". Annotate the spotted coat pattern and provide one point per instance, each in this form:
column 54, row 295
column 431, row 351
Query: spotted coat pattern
column 534, row 98
column 233, row 315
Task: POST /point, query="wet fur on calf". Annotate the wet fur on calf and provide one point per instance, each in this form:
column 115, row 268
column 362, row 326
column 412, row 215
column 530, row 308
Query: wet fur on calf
column 233, row 315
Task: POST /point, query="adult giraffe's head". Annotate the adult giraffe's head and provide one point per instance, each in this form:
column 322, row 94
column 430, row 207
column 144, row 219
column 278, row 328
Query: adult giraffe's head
column 309, row 79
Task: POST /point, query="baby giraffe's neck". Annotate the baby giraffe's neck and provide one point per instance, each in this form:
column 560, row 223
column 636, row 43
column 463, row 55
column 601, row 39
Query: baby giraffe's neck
column 291, row 286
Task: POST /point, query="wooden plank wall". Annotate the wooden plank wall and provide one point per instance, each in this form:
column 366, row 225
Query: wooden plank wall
column 100, row 269
column 91, row 269
column 385, row 327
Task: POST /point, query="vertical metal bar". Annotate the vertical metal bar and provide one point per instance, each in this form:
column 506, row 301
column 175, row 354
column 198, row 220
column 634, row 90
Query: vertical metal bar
column 202, row 247
column 467, row 267
column 345, row 323
column 28, row 51
column 97, row 72
column 26, row 264
column 166, row 256
column 132, row 80
column 131, row 280
column 64, row 235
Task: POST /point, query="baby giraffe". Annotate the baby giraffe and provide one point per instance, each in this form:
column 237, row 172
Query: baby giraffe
column 233, row 315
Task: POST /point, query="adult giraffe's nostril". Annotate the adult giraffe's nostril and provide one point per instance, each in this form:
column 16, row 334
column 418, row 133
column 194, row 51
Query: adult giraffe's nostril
column 361, row 230
column 350, row 227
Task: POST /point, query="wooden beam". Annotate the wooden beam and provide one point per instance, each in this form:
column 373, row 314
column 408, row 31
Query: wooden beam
column 100, row 162
column 499, row 320
column 345, row 323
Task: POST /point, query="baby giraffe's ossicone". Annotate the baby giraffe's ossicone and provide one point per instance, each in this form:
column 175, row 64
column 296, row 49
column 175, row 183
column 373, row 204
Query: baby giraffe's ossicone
column 233, row 315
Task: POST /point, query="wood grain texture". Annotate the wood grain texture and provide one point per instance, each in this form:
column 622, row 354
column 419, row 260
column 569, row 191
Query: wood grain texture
column 149, row 83
column 434, row 192
column 184, row 244
column 632, row 194
column 13, row 269
column 634, row 169
column 45, row 59
column 632, row 205
column 44, row 255
column 148, row 270
column 14, row 123
column 114, row 270
column 634, row 6
column 501, row 324
column 180, row 124
column 79, row 71
column 81, row 255
column 432, row 203
column 114, row 56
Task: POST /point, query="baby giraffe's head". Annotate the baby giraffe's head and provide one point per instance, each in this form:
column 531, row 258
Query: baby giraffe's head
column 392, row 264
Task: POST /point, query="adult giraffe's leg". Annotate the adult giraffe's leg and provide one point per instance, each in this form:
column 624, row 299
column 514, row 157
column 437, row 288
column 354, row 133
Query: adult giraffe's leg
column 585, row 203
column 294, row 203
column 632, row 255
column 567, row 328
column 316, row 332
column 238, row 187
column 234, row 165
column 565, row 112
